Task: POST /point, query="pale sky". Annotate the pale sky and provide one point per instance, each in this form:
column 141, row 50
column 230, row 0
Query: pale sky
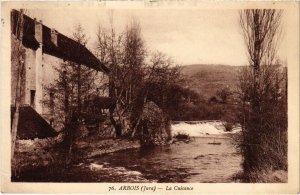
column 189, row 36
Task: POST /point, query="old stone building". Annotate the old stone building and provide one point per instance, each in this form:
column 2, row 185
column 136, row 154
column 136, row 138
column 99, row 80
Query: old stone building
column 44, row 48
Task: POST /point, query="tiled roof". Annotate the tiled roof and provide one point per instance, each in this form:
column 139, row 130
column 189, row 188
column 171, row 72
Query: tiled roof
column 66, row 48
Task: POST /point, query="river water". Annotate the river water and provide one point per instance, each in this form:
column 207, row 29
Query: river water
column 198, row 161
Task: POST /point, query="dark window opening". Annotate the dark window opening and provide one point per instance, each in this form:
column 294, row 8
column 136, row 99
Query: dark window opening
column 32, row 98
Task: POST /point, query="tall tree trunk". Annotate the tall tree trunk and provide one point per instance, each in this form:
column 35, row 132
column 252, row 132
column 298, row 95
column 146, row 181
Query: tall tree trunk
column 140, row 116
column 66, row 99
column 256, row 65
column 79, row 89
column 70, row 127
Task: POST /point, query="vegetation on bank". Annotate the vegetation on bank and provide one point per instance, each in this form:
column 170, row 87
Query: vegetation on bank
column 263, row 97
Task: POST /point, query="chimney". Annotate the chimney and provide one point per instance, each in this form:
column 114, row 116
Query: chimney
column 54, row 36
column 38, row 31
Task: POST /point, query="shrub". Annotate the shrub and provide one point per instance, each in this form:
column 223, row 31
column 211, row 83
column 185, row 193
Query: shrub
column 154, row 126
column 228, row 126
column 182, row 136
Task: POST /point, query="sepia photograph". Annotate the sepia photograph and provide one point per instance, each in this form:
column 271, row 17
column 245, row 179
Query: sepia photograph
column 149, row 95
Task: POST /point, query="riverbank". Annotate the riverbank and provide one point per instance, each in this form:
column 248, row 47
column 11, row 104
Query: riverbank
column 99, row 159
column 41, row 153
column 180, row 162
column 31, row 154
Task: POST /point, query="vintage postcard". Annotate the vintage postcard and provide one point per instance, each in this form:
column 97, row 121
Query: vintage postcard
column 150, row 97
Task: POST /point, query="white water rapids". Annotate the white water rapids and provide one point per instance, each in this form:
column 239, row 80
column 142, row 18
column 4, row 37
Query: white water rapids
column 202, row 128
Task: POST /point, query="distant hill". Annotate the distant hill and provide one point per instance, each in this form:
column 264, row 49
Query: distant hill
column 207, row 79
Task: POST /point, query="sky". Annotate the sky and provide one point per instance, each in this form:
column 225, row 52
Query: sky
column 189, row 36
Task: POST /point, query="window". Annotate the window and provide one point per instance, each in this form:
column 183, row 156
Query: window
column 32, row 98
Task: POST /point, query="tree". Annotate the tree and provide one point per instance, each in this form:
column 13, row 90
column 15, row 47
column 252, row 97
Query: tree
column 132, row 78
column 163, row 81
column 74, row 84
column 224, row 94
column 263, row 113
column 66, row 95
column 133, row 59
column 160, row 85
column 261, row 31
column 125, row 55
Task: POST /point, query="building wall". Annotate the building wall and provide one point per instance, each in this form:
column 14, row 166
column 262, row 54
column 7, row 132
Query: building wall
column 49, row 64
column 39, row 73
column 30, row 78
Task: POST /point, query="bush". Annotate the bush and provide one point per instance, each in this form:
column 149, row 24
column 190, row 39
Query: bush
column 182, row 136
column 228, row 126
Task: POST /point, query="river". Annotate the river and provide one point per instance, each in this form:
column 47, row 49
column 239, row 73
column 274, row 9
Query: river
column 198, row 161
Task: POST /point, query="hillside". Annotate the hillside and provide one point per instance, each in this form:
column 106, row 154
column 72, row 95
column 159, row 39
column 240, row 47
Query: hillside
column 207, row 79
